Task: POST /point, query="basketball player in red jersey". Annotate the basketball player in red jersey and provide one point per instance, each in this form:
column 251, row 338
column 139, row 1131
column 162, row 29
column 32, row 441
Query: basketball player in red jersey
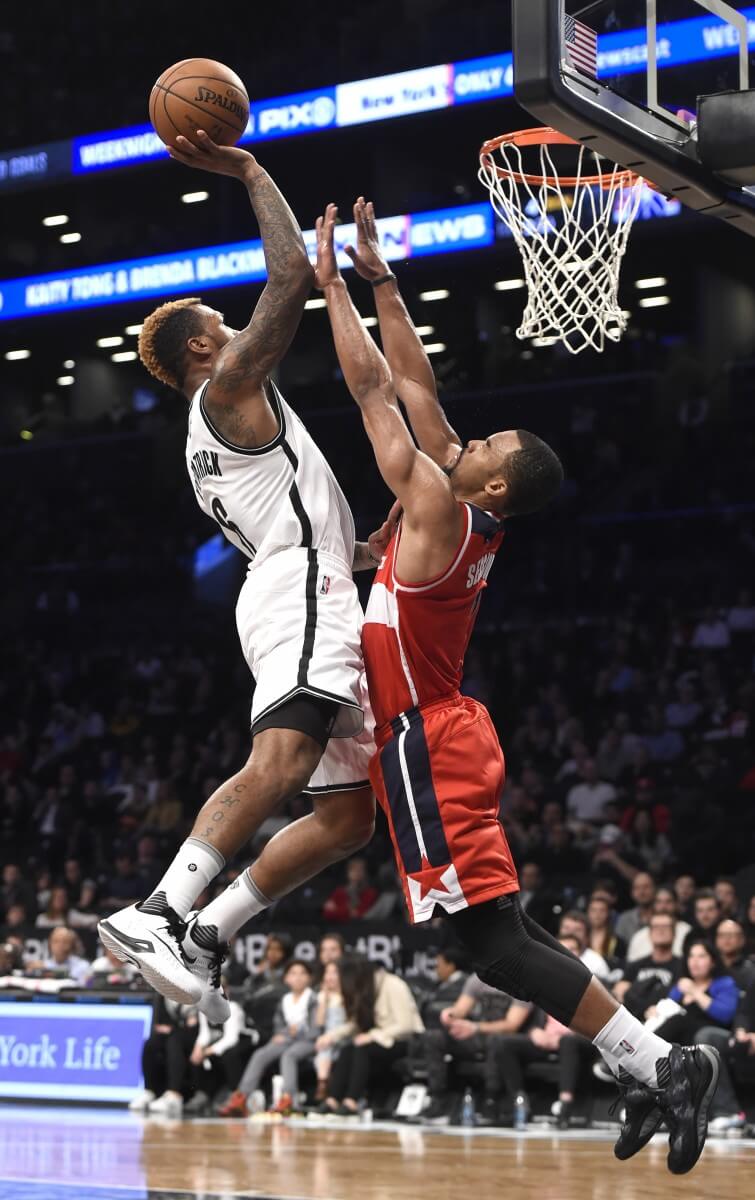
column 439, row 768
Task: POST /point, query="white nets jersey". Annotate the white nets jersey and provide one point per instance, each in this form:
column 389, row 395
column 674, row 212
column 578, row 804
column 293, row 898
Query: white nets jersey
column 272, row 497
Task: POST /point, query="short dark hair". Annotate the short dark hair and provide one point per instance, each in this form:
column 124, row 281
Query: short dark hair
column 163, row 338
column 533, row 475
column 706, row 894
column 298, row 962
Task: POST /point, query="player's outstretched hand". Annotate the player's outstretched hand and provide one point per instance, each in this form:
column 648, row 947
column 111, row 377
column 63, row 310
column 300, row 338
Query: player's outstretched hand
column 326, row 268
column 377, row 542
column 367, row 257
column 208, row 156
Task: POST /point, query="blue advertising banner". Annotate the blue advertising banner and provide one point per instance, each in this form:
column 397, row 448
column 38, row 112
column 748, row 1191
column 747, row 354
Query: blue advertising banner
column 435, row 232
column 71, row 1051
column 382, row 98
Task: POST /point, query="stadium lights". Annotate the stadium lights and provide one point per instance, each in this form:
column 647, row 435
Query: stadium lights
column 369, row 322
column 14, row 355
column 195, row 197
column 60, row 219
column 64, row 380
column 435, row 348
column 654, row 301
column 321, row 302
column 68, row 238
column 117, row 340
column 69, row 364
column 133, row 330
column 508, row 285
column 652, row 281
column 124, row 356
column 26, row 435
column 424, row 330
column 437, row 294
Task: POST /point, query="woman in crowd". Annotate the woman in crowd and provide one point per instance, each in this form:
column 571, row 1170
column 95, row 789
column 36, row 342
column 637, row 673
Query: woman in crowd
column 274, row 962
column 601, row 937
column 706, row 995
column 56, row 912
column 330, row 1015
column 381, row 1015
column 294, row 1033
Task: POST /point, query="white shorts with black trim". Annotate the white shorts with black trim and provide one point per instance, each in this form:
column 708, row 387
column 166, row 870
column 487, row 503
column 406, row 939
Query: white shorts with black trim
column 300, row 624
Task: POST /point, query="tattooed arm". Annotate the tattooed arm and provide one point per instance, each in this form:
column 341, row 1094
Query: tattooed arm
column 239, row 372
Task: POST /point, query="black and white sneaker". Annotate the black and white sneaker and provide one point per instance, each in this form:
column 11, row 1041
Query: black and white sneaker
column 685, row 1100
column 205, row 956
column 642, row 1116
column 149, row 935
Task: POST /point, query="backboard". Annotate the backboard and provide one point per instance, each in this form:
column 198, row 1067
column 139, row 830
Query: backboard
column 623, row 77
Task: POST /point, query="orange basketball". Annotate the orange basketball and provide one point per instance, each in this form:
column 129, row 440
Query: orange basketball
column 199, row 93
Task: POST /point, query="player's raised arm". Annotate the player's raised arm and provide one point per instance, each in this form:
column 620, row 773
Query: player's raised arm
column 256, row 350
column 424, row 491
column 410, row 367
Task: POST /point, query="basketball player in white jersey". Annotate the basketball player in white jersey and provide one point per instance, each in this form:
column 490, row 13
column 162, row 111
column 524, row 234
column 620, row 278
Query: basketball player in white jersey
column 259, row 474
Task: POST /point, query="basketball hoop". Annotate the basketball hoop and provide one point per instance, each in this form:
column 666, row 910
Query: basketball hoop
column 571, row 230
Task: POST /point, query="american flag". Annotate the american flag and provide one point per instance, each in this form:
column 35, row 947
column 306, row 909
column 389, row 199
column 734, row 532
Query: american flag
column 581, row 46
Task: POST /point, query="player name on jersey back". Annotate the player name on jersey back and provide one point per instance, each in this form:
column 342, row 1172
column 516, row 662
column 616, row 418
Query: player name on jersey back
column 272, row 497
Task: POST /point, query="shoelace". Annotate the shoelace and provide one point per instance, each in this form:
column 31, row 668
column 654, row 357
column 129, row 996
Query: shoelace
column 218, row 958
column 176, row 926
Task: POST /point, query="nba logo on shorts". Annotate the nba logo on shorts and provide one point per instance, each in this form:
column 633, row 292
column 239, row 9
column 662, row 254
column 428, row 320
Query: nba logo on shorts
column 325, row 585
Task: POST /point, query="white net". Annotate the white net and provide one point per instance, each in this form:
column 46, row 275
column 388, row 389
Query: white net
column 572, row 234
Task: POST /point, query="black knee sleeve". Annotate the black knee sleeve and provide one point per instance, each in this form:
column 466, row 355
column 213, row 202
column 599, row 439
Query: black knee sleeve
column 514, row 954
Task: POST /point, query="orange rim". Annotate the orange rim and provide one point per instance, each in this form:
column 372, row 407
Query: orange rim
column 543, row 135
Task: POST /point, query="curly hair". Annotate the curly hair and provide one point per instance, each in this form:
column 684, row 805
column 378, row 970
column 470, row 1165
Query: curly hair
column 163, row 337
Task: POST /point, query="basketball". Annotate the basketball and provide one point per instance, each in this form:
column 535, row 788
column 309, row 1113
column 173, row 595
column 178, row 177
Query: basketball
column 199, row 93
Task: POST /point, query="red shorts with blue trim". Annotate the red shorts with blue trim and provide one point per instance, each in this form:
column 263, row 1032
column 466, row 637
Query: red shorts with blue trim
column 438, row 776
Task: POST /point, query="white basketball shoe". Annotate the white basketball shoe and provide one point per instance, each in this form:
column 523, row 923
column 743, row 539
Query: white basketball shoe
column 205, row 954
column 149, row 935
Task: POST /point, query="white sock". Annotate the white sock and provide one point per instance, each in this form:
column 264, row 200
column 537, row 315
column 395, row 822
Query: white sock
column 625, row 1042
column 240, row 901
column 193, row 868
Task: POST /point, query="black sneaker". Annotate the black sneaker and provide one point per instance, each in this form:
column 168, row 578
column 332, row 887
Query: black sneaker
column 436, row 1113
column 685, row 1099
column 488, row 1113
column 642, row 1116
column 564, row 1114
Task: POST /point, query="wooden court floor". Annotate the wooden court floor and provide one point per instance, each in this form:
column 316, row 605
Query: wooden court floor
column 54, row 1154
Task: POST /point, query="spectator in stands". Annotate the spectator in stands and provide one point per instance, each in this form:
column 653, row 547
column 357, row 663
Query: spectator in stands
column 586, row 800
column 294, row 1035
column 684, row 889
column 711, row 632
column 664, row 745
column 354, row 898
column 164, row 813
column 613, row 860
column 56, row 912
column 211, row 1062
column 109, row 971
column 16, row 889
column 665, row 903
column 165, row 1059
column 686, row 710
column 601, row 937
column 449, row 970
column 643, row 894
column 468, row 1030
column 574, row 924
column 646, row 801
column 730, row 944
column 706, row 994
column 648, row 979
column 62, row 961
column 737, row 1058
column 15, row 918
column 330, row 1014
column 647, row 846
column 536, row 901
column 728, row 900
column 330, row 948
column 741, row 616
column 125, row 886
column 274, row 962
column 381, row 1015
column 546, row 1037
column 707, row 914
column 612, row 756
column 561, row 859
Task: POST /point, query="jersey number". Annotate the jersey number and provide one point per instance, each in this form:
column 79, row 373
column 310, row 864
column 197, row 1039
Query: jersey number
column 221, row 516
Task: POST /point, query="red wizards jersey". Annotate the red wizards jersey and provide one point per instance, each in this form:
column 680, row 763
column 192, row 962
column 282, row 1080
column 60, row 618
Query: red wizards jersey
column 415, row 636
